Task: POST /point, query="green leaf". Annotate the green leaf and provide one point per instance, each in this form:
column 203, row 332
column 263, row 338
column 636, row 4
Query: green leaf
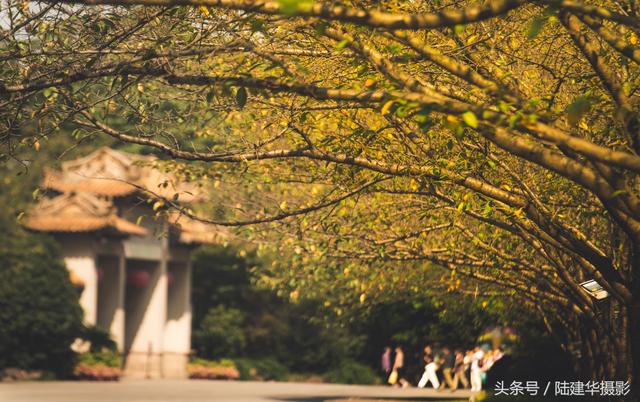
column 342, row 44
column 578, row 108
column 536, row 26
column 241, row 97
column 290, row 7
column 48, row 92
column 470, row 119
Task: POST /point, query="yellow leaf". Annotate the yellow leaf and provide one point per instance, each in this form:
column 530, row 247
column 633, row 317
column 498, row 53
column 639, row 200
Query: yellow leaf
column 363, row 298
column 414, row 185
column 452, row 122
column 369, row 83
column 386, row 107
column 472, row 39
column 204, row 11
column 157, row 205
column 633, row 39
column 36, row 145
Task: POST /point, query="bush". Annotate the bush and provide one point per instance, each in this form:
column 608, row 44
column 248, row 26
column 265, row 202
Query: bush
column 106, row 357
column 223, row 369
column 261, row 369
column 99, row 339
column 39, row 311
column 351, row 372
column 97, row 372
column 99, row 366
column 220, row 333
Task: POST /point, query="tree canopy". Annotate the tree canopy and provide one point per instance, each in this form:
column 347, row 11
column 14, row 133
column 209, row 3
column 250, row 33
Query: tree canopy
column 497, row 141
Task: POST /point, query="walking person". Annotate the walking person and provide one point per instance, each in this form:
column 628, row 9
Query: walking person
column 398, row 367
column 487, row 363
column 448, row 364
column 430, row 369
column 460, row 371
column 385, row 363
column 476, row 369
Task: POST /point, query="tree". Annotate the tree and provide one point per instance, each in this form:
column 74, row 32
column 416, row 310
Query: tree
column 220, row 333
column 498, row 141
column 40, row 316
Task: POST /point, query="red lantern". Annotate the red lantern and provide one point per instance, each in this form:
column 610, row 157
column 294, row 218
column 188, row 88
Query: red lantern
column 138, row 278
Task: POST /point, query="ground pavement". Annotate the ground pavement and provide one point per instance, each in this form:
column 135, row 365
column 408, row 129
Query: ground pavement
column 213, row 391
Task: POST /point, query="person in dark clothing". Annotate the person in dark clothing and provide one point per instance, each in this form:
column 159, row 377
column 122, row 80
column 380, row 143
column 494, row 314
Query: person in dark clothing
column 448, row 365
column 398, row 366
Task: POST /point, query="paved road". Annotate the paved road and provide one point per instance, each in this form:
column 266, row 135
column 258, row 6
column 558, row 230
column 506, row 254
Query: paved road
column 212, row 391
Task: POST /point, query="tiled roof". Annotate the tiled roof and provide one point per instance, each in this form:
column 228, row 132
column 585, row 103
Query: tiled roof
column 115, row 174
column 89, row 185
column 78, row 212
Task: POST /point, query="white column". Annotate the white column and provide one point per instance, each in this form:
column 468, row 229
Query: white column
column 118, row 324
column 111, row 296
column 148, row 316
column 83, row 265
column 177, row 334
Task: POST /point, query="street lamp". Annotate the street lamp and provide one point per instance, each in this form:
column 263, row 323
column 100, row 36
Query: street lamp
column 595, row 289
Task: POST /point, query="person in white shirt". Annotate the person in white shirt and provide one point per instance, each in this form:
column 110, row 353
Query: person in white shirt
column 429, row 370
column 476, row 369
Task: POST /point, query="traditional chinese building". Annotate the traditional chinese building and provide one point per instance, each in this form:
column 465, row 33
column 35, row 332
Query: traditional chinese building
column 134, row 268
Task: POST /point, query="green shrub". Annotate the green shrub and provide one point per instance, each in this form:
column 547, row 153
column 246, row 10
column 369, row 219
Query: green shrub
column 39, row 311
column 220, row 333
column 99, row 339
column 261, row 369
column 213, row 363
column 106, row 357
column 223, row 369
column 351, row 372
